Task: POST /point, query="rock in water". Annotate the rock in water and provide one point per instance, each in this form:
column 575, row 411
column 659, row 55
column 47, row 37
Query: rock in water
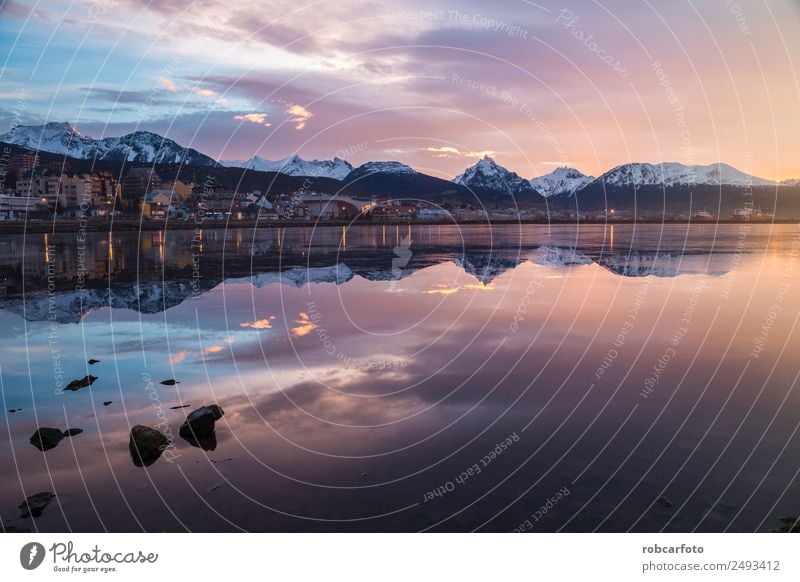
column 200, row 423
column 198, row 430
column 107, row 402
column 46, row 438
column 34, row 505
column 82, row 383
column 146, row 445
column 169, row 382
column 71, row 432
column 92, row 362
column 665, row 502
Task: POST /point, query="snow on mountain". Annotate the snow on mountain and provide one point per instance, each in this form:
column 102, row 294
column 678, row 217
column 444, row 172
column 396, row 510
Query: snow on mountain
column 561, row 181
column 58, row 138
column 294, row 165
column 139, row 146
column 488, row 175
column 551, row 256
column 675, row 174
column 385, row 167
column 790, row 182
column 299, row 276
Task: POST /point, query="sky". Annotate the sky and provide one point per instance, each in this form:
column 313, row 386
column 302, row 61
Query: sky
column 436, row 84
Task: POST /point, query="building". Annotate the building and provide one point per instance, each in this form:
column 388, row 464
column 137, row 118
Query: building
column 23, row 162
column 182, row 189
column 433, row 214
column 43, row 187
column 333, row 207
column 156, row 204
column 21, row 207
column 394, row 211
column 138, row 182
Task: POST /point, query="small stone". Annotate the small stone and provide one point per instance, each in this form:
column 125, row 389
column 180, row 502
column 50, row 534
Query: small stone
column 179, row 407
column 92, row 362
column 34, row 505
column 76, row 385
column 170, row 382
column 107, row 402
column 46, row 438
column 71, row 432
column 665, row 502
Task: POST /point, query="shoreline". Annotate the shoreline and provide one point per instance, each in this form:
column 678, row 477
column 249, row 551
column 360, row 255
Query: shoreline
column 93, row 226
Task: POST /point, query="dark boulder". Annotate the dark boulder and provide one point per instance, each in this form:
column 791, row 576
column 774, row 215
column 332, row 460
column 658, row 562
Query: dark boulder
column 146, row 445
column 46, row 438
column 201, row 422
column 82, row 383
column 71, row 432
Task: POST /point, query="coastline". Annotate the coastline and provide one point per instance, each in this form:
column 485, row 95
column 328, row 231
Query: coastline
column 86, row 226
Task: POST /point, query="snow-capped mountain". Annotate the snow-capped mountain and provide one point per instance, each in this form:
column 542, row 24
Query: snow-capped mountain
column 790, row 182
column 139, row 146
column 294, row 165
column 385, row 167
column 489, row 176
column 675, row 174
column 561, row 181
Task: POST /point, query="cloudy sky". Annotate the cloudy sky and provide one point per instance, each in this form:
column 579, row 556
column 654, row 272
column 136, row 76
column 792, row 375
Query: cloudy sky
column 435, row 84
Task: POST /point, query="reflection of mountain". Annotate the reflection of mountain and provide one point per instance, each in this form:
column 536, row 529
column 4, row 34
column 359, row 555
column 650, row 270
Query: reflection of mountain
column 485, row 265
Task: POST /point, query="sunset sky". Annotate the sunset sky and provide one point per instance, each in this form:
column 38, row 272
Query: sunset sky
column 433, row 84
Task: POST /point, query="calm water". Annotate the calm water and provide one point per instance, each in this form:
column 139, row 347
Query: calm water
column 392, row 379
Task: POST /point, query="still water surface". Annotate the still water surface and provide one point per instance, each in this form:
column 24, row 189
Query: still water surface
column 406, row 378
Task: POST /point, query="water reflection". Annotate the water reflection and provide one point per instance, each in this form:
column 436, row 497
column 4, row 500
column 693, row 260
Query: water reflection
column 362, row 403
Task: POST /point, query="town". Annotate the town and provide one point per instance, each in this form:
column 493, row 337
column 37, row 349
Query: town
column 35, row 190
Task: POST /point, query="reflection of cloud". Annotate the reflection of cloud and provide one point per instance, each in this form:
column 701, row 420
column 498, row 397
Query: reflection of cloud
column 299, row 116
column 168, row 84
column 179, row 357
column 451, row 152
column 257, row 118
column 265, row 323
column 213, row 349
column 304, row 325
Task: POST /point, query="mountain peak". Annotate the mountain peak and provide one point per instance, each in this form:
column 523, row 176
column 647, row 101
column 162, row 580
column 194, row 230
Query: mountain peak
column 677, row 174
column 561, row 181
column 294, row 165
column 62, row 126
column 486, row 175
column 391, row 167
column 140, row 146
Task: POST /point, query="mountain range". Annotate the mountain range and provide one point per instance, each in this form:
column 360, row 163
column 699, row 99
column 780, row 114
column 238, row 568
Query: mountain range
column 487, row 180
column 139, row 146
column 294, row 165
